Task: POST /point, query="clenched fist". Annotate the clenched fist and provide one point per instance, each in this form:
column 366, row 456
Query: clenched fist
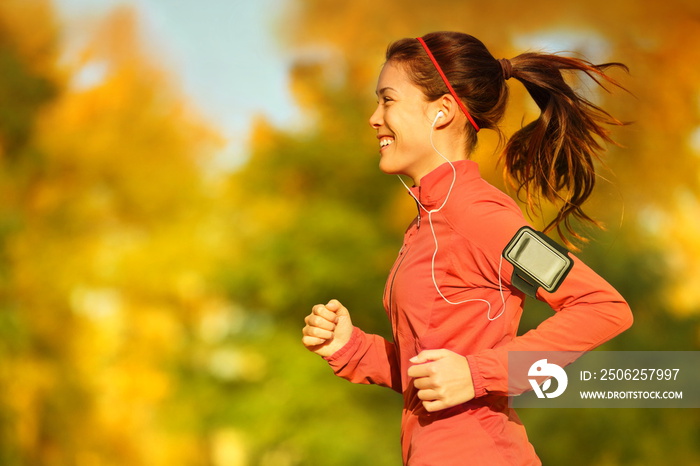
column 328, row 328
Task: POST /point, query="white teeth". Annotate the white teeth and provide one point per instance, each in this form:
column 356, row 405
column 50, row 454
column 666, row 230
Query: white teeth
column 385, row 142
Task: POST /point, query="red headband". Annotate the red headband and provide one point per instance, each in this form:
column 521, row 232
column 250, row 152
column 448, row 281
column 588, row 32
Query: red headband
column 447, row 83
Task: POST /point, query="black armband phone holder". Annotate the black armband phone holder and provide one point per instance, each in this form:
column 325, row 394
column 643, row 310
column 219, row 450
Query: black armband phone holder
column 538, row 261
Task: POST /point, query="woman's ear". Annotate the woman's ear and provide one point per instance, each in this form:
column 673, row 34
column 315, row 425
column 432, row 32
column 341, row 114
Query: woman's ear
column 446, row 110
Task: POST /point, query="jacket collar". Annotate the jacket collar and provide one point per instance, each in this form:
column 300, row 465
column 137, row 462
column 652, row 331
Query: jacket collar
column 435, row 185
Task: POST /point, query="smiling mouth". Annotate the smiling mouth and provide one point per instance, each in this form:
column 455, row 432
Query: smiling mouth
column 385, row 142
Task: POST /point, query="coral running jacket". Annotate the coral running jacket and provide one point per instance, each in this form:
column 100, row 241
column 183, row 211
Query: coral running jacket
column 472, row 229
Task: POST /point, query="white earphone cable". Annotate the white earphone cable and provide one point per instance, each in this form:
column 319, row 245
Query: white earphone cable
column 432, row 230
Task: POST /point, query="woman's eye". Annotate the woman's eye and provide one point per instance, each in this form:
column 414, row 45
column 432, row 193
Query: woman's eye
column 387, row 99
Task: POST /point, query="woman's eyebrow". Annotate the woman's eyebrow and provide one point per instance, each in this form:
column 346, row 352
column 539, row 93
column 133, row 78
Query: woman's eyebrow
column 384, row 89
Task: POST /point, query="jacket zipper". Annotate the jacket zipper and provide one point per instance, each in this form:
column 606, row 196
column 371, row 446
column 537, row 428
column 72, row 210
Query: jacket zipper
column 402, row 255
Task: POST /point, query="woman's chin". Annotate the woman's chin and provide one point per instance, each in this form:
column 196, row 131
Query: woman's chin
column 390, row 169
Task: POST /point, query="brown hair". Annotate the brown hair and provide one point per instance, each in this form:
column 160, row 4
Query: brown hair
column 551, row 157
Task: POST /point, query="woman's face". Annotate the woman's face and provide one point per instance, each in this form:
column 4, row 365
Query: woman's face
column 403, row 125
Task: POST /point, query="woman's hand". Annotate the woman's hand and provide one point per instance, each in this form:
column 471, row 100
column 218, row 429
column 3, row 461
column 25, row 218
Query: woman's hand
column 443, row 379
column 328, row 328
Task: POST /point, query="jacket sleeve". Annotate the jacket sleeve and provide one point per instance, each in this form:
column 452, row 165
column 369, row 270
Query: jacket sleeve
column 367, row 359
column 588, row 310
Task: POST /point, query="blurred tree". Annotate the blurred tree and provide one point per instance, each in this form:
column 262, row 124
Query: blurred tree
column 107, row 236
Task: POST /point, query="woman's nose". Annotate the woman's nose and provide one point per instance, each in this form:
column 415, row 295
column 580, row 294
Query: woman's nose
column 375, row 121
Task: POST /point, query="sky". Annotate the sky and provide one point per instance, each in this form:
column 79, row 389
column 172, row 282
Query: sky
column 224, row 53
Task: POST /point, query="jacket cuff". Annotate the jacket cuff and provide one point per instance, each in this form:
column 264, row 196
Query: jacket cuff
column 350, row 347
column 477, row 377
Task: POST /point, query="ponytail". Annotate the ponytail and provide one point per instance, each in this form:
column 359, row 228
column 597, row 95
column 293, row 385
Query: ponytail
column 553, row 157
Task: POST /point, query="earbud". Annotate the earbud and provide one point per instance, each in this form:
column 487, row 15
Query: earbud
column 438, row 116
